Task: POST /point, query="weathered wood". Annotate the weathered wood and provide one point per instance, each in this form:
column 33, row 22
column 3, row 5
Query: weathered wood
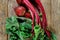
column 11, row 5
column 55, row 17
column 3, row 15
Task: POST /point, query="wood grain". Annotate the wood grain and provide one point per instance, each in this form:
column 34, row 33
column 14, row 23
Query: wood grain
column 55, row 17
column 11, row 5
column 3, row 15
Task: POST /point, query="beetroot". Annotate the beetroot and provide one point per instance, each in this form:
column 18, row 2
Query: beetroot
column 20, row 11
column 28, row 15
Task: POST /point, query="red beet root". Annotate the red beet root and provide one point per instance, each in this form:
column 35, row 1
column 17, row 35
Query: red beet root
column 28, row 15
column 20, row 10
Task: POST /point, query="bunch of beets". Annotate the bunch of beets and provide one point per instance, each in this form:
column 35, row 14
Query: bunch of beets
column 33, row 10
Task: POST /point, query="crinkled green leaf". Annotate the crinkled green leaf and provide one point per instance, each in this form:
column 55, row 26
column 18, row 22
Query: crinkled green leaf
column 25, row 25
column 25, row 29
column 11, row 22
column 46, row 37
column 39, row 33
column 18, row 31
column 53, row 36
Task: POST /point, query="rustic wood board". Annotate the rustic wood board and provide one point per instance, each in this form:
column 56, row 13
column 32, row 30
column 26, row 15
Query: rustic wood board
column 55, row 17
column 3, row 15
column 11, row 5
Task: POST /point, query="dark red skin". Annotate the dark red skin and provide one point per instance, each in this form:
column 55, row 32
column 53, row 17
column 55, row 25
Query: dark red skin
column 18, row 1
column 20, row 11
column 28, row 15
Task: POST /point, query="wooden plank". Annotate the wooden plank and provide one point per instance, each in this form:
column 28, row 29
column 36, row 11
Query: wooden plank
column 11, row 5
column 55, row 17
column 3, row 15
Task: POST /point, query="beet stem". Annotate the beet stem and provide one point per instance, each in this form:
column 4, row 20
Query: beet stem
column 29, row 5
column 44, row 21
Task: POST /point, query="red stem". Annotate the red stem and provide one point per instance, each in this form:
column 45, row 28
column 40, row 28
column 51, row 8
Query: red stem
column 44, row 21
column 29, row 5
column 32, row 14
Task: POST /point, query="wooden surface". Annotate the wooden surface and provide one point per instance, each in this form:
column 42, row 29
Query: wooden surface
column 11, row 5
column 55, row 17
column 3, row 15
column 52, row 8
